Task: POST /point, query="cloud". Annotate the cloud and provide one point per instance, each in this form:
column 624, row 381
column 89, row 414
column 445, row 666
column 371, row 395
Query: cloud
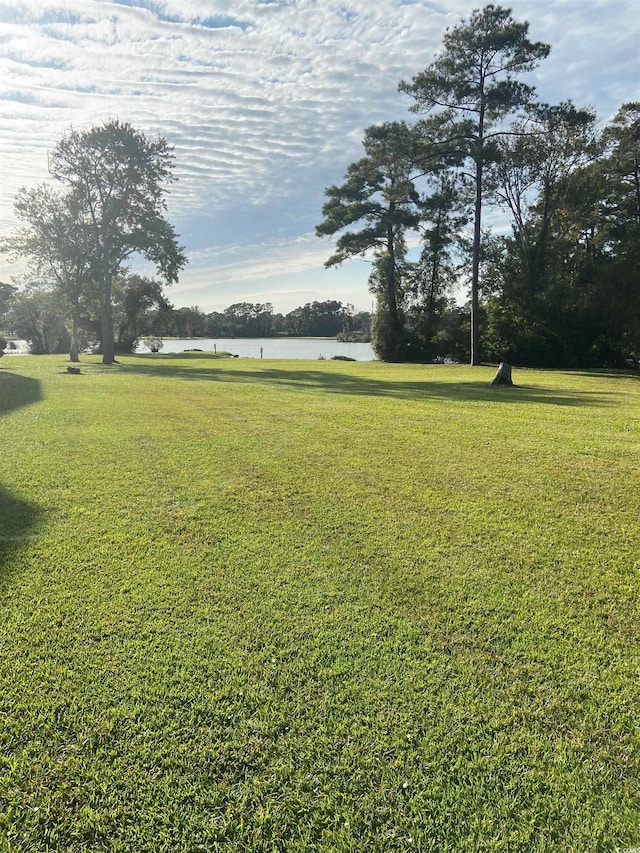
column 264, row 101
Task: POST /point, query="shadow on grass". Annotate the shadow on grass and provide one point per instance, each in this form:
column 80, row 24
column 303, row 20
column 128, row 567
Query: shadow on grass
column 16, row 391
column 17, row 518
column 606, row 373
column 344, row 382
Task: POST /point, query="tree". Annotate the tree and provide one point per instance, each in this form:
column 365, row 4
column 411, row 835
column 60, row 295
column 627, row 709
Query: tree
column 567, row 283
column 320, row 319
column 379, row 193
column 247, row 319
column 139, row 296
column 57, row 242
column 388, row 324
column 38, row 316
column 623, row 135
column 361, row 326
column 7, row 292
column 189, row 322
column 469, row 90
column 536, row 312
column 116, row 180
column 618, row 261
column 298, row 321
column 535, row 166
column 431, row 279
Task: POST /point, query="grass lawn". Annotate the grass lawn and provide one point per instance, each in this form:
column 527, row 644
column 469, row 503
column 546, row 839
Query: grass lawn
column 317, row 606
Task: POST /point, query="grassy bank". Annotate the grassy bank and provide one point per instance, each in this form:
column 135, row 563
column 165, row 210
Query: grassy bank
column 262, row 605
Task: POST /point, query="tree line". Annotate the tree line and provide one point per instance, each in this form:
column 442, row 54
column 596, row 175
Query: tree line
column 562, row 286
column 141, row 310
column 330, row 319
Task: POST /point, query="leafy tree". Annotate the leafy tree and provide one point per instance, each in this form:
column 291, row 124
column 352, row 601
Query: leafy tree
column 189, row 322
column 470, row 89
column 361, row 325
column 567, row 284
column 248, row 319
column 326, row 319
column 38, row 316
column 356, row 325
column 7, row 292
column 263, row 320
column 139, row 297
column 116, row 179
column 437, row 272
column 321, row 319
column 58, row 244
column 388, row 324
column 298, row 321
column 533, row 174
column 379, row 194
column 216, row 324
column 617, row 263
column 536, row 312
column 278, row 324
column 623, row 136
column 624, row 133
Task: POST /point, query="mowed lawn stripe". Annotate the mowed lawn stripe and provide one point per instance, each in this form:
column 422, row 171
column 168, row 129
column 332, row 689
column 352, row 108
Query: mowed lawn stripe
column 257, row 605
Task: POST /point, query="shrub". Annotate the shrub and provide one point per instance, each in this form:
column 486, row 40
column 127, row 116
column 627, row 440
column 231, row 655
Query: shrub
column 154, row 343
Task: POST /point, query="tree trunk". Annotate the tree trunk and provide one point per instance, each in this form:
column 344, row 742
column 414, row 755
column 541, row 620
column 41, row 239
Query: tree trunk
column 108, row 347
column 73, row 351
column 477, row 237
column 503, row 376
column 475, row 271
column 392, row 298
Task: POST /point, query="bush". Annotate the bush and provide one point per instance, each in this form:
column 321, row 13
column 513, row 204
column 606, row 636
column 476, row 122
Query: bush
column 154, row 344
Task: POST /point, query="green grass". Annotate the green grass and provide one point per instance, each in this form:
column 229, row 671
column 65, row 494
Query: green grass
column 293, row 606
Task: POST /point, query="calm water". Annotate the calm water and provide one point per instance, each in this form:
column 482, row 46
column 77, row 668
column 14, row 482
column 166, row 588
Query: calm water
column 308, row 348
column 18, row 348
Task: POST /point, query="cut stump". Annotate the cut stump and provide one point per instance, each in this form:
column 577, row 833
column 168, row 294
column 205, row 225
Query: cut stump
column 503, row 376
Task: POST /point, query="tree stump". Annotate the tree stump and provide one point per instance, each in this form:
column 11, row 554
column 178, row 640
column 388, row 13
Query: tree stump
column 503, row 376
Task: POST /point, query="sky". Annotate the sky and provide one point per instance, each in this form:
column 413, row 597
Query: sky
column 265, row 103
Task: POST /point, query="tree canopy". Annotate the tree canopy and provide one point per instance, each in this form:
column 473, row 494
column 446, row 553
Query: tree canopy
column 379, row 194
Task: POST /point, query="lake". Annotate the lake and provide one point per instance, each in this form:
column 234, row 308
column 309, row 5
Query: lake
column 307, row 348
